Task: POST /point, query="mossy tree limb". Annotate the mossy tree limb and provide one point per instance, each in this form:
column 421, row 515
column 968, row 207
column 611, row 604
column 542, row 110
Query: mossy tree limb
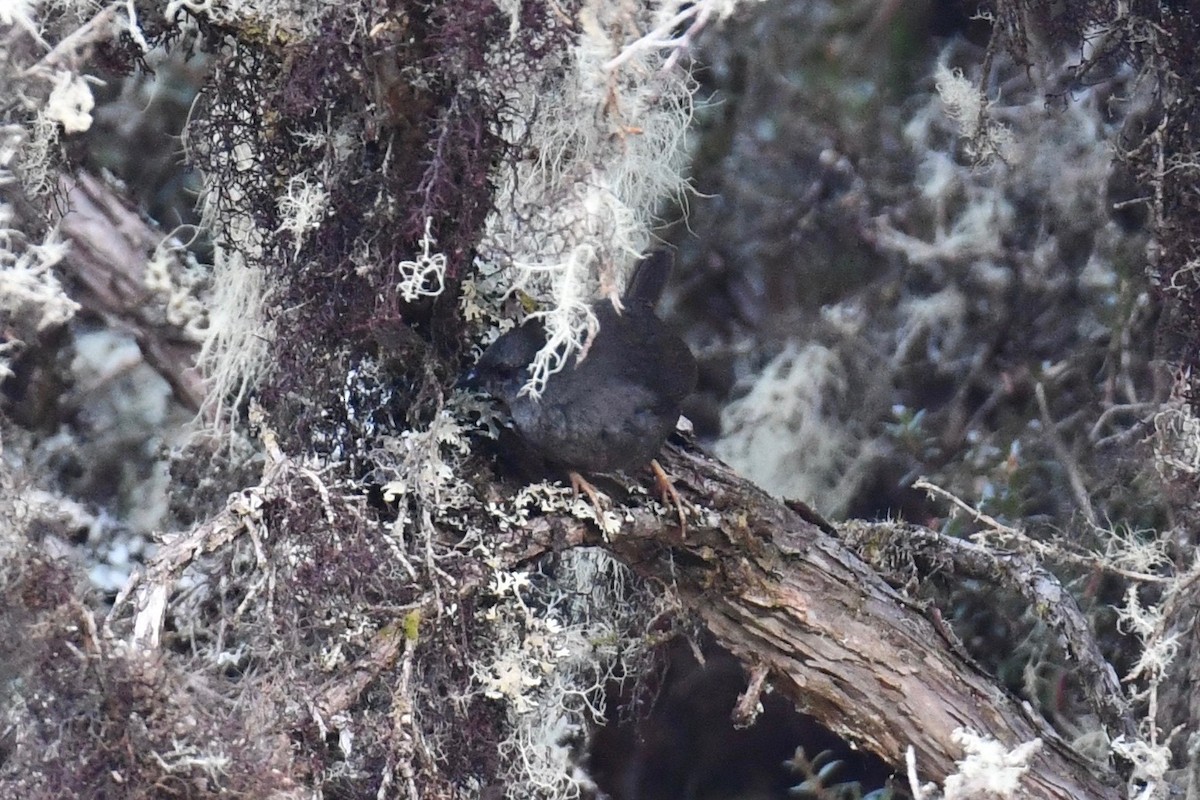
column 844, row 646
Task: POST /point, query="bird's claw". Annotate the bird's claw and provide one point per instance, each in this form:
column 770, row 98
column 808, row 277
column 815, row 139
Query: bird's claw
column 669, row 495
column 600, row 502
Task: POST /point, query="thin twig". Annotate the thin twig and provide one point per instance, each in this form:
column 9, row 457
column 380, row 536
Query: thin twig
column 979, row 516
column 97, row 28
column 1068, row 462
column 1112, row 411
column 1040, row 549
column 660, row 38
column 749, row 703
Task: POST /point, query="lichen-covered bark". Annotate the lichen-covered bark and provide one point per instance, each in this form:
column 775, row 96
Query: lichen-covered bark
column 847, row 648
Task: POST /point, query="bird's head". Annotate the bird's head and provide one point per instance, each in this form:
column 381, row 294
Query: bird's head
column 503, row 369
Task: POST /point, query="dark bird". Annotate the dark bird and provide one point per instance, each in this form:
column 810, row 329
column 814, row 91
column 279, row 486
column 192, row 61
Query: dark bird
column 613, row 408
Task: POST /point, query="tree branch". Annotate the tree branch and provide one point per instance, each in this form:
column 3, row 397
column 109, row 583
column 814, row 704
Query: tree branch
column 843, row 645
column 110, row 245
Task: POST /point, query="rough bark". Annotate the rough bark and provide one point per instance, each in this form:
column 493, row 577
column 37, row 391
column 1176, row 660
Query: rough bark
column 844, row 646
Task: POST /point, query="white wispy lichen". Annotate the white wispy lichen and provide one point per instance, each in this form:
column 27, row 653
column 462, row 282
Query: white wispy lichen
column 70, row 103
column 967, row 106
column 605, row 127
column 425, row 274
column 302, row 207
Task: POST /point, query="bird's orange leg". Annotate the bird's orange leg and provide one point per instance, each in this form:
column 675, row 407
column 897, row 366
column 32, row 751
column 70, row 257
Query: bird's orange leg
column 580, row 484
column 669, row 495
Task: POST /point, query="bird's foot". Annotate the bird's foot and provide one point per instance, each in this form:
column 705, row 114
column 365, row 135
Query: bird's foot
column 600, row 502
column 669, row 495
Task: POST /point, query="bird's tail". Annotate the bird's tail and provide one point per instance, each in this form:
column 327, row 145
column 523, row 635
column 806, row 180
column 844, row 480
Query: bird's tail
column 649, row 278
